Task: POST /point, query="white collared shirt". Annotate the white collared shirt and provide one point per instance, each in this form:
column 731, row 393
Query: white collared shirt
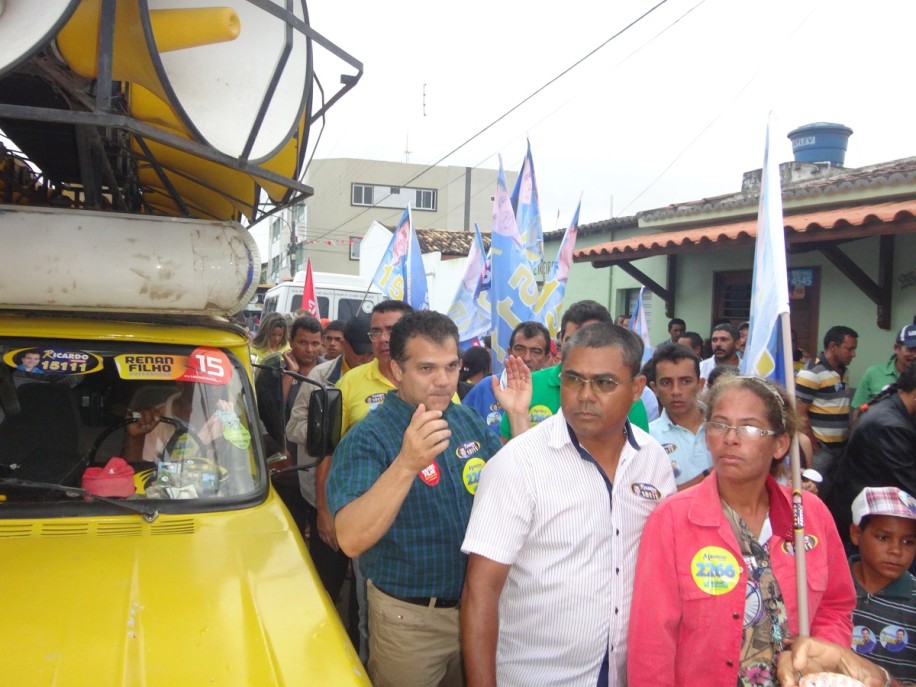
column 546, row 511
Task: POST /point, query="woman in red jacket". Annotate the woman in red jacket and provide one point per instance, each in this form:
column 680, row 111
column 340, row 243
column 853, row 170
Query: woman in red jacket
column 715, row 593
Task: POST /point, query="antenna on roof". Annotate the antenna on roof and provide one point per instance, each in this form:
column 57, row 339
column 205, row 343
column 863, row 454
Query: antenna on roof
column 407, row 148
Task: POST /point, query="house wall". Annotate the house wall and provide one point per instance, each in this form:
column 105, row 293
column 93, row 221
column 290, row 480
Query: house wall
column 841, row 302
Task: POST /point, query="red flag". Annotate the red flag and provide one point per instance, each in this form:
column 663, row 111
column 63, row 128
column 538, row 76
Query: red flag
column 309, row 299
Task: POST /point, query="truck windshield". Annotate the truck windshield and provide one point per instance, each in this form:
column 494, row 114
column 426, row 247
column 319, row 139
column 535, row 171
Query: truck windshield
column 174, row 424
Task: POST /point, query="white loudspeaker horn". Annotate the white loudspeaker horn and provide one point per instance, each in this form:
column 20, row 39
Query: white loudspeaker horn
column 220, row 89
column 26, row 28
column 236, row 75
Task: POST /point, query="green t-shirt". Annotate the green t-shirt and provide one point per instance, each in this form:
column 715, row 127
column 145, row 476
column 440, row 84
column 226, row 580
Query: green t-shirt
column 545, row 401
column 874, row 380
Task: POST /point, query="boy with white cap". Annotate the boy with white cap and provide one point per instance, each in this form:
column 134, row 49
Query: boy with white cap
column 884, row 529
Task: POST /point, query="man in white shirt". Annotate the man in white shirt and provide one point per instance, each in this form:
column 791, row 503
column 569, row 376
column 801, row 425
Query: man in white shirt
column 547, row 593
column 724, row 342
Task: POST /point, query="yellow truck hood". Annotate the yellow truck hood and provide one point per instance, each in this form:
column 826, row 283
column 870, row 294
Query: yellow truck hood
column 221, row 599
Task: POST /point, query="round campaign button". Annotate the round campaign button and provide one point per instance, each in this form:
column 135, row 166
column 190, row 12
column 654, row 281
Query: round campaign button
column 471, row 473
column 715, row 570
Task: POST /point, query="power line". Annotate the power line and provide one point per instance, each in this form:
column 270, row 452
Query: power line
column 511, row 109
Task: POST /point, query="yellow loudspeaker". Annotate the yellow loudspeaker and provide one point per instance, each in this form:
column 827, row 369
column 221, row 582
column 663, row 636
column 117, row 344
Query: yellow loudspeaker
column 235, row 75
column 238, row 189
column 26, row 26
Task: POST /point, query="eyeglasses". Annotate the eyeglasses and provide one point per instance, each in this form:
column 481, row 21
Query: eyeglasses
column 720, row 429
column 520, row 351
column 376, row 333
column 601, row 385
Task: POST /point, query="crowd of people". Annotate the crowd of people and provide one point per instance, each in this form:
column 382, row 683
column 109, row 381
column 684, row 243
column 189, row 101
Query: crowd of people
column 586, row 517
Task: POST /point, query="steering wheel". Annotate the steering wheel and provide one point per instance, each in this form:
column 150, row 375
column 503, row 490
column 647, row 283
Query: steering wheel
column 181, row 427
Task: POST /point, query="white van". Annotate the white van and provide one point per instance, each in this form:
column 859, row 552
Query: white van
column 340, row 296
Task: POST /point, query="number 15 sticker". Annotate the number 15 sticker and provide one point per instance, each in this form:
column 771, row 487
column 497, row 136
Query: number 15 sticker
column 208, row 366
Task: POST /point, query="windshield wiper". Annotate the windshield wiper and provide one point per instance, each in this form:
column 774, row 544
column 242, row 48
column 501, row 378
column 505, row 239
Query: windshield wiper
column 149, row 514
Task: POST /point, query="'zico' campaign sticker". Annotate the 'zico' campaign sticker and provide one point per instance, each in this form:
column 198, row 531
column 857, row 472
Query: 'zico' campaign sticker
column 207, row 366
column 56, row 361
column 145, row 366
column 471, row 474
column 715, row 570
column 430, row 474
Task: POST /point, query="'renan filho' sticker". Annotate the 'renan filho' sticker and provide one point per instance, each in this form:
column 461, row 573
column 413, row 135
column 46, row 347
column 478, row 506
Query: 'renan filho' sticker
column 715, row 570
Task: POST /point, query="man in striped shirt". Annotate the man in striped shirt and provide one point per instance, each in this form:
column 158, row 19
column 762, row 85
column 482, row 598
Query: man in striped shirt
column 555, row 528
column 823, row 395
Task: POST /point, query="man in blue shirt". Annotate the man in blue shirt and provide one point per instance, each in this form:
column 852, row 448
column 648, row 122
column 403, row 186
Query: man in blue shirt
column 401, row 488
column 679, row 429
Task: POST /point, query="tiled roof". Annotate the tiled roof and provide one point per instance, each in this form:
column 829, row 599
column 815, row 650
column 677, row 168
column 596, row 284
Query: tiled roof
column 805, row 226
column 833, row 182
column 449, row 243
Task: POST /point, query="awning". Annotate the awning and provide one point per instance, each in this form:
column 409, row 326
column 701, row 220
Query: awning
column 838, row 224
column 822, row 230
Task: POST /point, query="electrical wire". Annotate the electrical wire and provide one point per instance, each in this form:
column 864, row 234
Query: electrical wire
column 505, row 114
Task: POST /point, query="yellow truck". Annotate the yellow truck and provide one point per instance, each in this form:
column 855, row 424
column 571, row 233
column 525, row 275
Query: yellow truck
column 141, row 542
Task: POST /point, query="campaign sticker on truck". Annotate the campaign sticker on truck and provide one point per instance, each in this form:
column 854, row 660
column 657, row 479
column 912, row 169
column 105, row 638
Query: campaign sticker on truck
column 40, row 360
column 147, row 366
column 207, row 366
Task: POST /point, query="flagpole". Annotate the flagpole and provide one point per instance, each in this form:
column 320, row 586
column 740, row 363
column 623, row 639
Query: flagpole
column 798, row 516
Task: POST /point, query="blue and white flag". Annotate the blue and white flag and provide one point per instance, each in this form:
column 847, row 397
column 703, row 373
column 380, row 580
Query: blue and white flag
column 764, row 353
column 401, row 275
column 550, row 304
column 471, row 308
column 639, row 325
column 528, row 212
column 513, row 290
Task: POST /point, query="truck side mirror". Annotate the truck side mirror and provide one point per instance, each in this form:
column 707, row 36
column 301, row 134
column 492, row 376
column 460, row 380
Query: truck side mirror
column 325, row 415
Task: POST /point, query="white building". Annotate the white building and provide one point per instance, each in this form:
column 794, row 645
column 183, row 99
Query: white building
column 351, row 194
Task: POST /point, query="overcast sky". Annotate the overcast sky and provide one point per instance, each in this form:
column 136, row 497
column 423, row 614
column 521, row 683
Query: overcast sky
column 673, row 110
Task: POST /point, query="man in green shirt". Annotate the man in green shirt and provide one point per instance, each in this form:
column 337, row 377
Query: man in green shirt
column 879, row 376
column 545, row 391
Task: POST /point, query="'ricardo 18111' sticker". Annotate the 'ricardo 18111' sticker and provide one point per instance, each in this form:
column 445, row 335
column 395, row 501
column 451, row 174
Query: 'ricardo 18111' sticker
column 56, row 361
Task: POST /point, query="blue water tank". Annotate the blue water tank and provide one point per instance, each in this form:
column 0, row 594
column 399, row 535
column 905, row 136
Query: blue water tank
column 820, row 142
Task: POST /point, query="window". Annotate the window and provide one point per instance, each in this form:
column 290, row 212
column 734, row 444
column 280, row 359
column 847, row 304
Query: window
column 630, row 296
column 731, row 296
column 426, row 199
column 362, row 194
column 355, row 242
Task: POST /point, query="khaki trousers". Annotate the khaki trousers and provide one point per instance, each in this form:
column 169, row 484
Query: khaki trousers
column 411, row 645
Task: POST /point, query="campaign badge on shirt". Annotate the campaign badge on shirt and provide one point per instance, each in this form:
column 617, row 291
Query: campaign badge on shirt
column 669, row 448
column 471, row 474
column 715, row 570
column 430, row 474
column 863, row 640
column 375, row 400
column 538, row 414
column 894, row 638
column 646, row 491
column 467, row 449
column 789, row 546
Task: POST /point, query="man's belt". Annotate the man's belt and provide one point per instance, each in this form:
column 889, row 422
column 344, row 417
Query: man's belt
column 428, row 601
